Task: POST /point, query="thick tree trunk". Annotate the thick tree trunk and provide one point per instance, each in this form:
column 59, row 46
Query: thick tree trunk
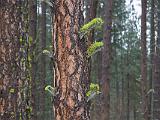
column 144, row 62
column 71, row 70
column 42, row 62
column 33, row 33
column 10, row 70
column 106, row 60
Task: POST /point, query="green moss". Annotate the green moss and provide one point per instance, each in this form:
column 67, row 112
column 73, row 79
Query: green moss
column 12, row 90
column 30, row 40
column 21, row 40
column 93, row 47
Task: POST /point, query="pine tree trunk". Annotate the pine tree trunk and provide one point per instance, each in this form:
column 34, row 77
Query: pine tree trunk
column 71, row 69
column 106, row 60
column 122, row 108
column 144, row 62
column 128, row 78
column 10, row 76
column 42, row 61
column 152, row 51
column 156, row 82
column 33, row 33
column 91, row 12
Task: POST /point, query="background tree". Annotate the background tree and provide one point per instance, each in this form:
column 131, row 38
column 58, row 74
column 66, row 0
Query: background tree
column 156, row 81
column 152, row 51
column 32, row 7
column 106, row 60
column 144, row 61
column 42, row 61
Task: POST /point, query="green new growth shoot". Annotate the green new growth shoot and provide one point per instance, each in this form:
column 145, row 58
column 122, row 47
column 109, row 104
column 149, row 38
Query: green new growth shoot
column 50, row 89
column 93, row 48
column 46, row 52
column 92, row 24
column 96, row 24
column 93, row 90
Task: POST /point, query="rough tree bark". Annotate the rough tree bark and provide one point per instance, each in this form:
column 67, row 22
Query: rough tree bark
column 33, row 33
column 71, row 70
column 144, row 62
column 106, row 60
column 10, row 70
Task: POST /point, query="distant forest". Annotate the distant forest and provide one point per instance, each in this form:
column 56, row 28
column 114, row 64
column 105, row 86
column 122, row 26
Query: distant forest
column 79, row 60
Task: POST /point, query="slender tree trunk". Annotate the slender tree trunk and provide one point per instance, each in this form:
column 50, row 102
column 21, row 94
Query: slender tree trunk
column 106, row 60
column 117, row 85
column 156, row 82
column 128, row 96
column 42, row 61
column 10, row 70
column 134, row 113
column 71, row 69
column 144, row 62
column 91, row 12
column 122, row 110
column 152, row 51
column 88, row 7
column 33, row 33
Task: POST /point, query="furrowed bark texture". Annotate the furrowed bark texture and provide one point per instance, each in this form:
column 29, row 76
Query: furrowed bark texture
column 10, row 70
column 71, row 70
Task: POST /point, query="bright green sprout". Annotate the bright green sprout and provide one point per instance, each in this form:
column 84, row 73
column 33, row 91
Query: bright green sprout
column 93, row 90
column 12, row 90
column 93, row 48
column 96, row 24
column 50, row 46
column 46, row 52
column 50, row 89
column 92, row 24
